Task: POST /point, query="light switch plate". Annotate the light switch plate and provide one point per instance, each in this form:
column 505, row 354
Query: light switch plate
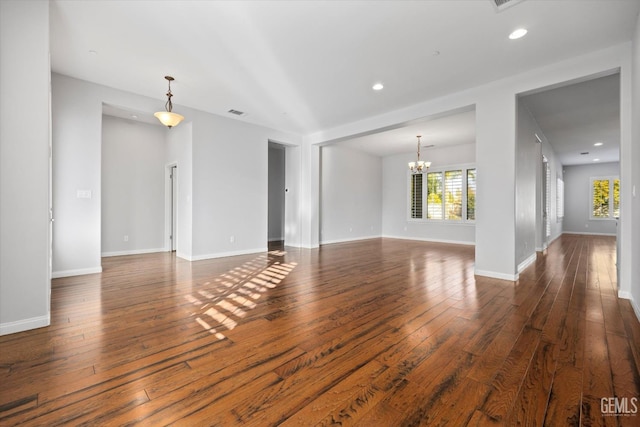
column 83, row 194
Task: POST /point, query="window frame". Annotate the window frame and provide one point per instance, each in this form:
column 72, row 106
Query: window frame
column 610, row 216
column 464, row 168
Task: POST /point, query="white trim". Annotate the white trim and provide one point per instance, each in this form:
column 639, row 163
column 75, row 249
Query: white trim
column 78, row 272
column 226, row 254
column 526, row 263
column 495, row 275
column 133, row 252
column 629, row 296
column 25, row 324
column 547, row 244
column 589, row 234
column 468, row 223
column 183, row 256
column 426, row 239
column 167, row 206
column 352, row 239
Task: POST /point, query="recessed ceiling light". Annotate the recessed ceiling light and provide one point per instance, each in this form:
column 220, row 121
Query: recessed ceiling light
column 133, row 116
column 596, row 160
column 93, row 52
column 597, row 144
column 377, row 86
column 520, row 32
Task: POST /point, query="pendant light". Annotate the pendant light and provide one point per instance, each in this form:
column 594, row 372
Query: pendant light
column 419, row 166
column 169, row 118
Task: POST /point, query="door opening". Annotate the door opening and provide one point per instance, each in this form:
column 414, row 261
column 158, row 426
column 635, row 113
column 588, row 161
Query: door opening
column 546, row 202
column 173, row 209
column 276, row 196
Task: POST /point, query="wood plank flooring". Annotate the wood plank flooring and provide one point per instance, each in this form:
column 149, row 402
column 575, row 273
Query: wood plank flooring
column 382, row 332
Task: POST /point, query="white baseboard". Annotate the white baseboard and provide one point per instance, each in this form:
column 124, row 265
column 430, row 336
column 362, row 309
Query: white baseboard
column 496, row 275
column 226, row 254
column 426, row 239
column 133, row 252
column 79, row 272
column 526, row 263
column 25, row 325
column 634, row 305
column 547, row 244
column 589, row 234
column 183, row 256
column 351, row 239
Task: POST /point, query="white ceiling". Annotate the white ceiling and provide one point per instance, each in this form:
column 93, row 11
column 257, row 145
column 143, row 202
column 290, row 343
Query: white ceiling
column 436, row 132
column 304, row 66
column 576, row 116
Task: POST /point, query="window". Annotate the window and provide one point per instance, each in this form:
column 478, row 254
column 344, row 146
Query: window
column 453, row 194
column 434, row 195
column 559, row 198
column 605, row 198
column 416, row 196
column 450, row 195
column 471, row 194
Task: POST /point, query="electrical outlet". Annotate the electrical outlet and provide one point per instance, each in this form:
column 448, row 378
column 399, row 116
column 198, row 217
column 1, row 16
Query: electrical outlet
column 232, row 239
column 126, row 238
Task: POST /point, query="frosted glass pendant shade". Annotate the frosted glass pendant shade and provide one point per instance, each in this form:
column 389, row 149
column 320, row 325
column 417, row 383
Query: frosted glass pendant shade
column 168, row 118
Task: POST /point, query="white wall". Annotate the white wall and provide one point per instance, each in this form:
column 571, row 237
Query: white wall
column 276, row 192
column 577, row 193
column 230, row 185
column 528, row 159
column 495, row 147
column 557, row 224
column 496, row 184
column 133, row 187
column 395, row 217
column 76, row 166
column 293, row 201
column 24, row 165
column 76, row 138
column 351, row 194
column 530, row 225
column 631, row 199
column 222, row 177
column 179, row 153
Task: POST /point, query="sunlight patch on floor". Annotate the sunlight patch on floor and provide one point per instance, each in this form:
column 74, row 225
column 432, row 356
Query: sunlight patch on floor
column 225, row 300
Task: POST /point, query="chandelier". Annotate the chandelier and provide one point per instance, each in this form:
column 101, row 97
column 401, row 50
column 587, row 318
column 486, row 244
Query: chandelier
column 169, row 118
column 419, row 166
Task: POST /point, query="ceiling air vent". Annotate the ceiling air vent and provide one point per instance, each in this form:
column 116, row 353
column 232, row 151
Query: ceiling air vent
column 584, row 153
column 501, row 5
column 236, row 112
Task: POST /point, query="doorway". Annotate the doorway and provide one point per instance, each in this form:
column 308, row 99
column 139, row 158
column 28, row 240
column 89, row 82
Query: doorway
column 171, row 207
column 546, row 202
column 276, row 195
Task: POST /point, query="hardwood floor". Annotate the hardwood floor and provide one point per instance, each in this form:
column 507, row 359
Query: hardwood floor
column 380, row 332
